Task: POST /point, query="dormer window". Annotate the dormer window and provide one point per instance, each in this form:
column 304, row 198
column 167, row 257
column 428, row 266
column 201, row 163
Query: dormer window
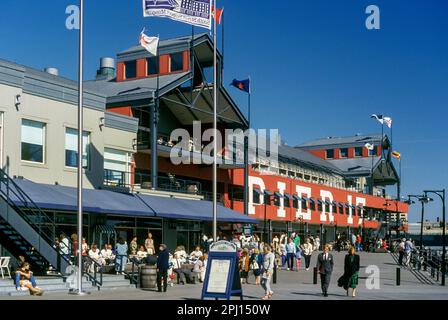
column 358, row 151
column 176, row 62
column 344, row 152
column 130, row 69
column 153, row 66
column 329, row 154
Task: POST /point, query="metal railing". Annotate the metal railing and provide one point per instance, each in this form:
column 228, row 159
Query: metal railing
column 42, row 223
column 428, row 260
column 143, row 180
column 91, row 270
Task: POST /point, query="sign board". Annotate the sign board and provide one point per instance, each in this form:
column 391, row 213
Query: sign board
column 222, row 277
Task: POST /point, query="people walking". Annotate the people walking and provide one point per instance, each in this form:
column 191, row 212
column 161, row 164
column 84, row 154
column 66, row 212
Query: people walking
column 290, row 254
column 256, row 262
column 317, row 243
column 307, row 253
column 298, row 258
column 408, row 247
column 244, row 266
column 324, row 266
column 349, row 280
column 401, row 247
column 162, row 268
column 121, row 249
column 268, row 270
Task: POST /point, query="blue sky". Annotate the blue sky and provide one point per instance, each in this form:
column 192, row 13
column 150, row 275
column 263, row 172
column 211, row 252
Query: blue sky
column 316, row 70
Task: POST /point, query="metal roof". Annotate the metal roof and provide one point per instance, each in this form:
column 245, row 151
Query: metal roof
column 360, row 165
column 350, row 140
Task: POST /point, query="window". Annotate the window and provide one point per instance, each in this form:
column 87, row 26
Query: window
column 116, row 166
column 329, row 154
column 130, row 68
column 358, row 151
column 295, row 203
column 374, row 151
column 319, row 206
column 344, row 152
column 312, row 205
column 71, row 148
column 341, row 210
column 327, row 207
column 256, row 196
column 33, row 138
column 277, row 199
column 286, row 202
column 304, row 206
column 153, row 65
column 177, row 61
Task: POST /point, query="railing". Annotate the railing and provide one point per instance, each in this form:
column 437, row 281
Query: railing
column 143, row 180
column 428, row 260
column 134, row 274
column 91, row 269
column 43, row 224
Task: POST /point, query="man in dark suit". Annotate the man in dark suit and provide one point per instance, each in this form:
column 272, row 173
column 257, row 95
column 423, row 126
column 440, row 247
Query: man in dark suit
column 324, row 266
column 162, row 268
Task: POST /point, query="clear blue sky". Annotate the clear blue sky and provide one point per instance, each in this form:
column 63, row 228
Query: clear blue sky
column 316, row 70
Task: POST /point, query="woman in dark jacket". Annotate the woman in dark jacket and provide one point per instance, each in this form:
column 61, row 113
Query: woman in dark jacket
column 349, row 279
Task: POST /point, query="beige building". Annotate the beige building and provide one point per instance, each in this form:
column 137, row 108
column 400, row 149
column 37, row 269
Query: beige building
column 38, row 129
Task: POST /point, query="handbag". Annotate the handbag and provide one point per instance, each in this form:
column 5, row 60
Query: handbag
column 255, row 265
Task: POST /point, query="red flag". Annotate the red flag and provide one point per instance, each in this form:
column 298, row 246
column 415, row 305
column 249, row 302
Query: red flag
column 218, row 14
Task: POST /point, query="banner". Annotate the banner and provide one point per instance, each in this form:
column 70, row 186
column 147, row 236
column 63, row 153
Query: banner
column 195, row 12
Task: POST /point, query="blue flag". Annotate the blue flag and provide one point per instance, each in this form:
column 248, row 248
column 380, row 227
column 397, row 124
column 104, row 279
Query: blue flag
column 243, row 85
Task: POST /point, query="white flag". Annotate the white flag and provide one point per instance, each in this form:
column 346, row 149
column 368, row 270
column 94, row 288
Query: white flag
column 149, row 43
column 388, row 121
column 369, row 146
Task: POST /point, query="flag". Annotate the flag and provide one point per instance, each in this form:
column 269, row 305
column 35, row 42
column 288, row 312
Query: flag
column 383, row 120
column 149, row 43
column 243, row 85
column 219, row 13
column 388, row 121
column 369, row 146
column 396, row 155
column 197, row 12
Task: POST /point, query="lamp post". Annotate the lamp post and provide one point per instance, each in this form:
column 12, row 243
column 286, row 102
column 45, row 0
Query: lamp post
column 423, row 199
column 441, row 194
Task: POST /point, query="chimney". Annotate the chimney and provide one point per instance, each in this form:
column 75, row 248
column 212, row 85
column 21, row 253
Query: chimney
column 53, row 71
column 107, row 69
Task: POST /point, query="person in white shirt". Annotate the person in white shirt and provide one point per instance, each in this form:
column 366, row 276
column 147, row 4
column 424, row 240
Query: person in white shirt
column 181, row 254
column 107, row 253
column 177, row 268
column 64, row 245
column 196, row 254
column 95, row 255
column 200, row 266
column 142, row 253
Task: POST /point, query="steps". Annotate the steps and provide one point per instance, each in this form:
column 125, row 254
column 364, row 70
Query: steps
column 48, row 284
column 113, row 282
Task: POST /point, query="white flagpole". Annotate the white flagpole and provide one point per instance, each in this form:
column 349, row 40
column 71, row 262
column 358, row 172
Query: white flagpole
column 215, row 145
column 80, row 142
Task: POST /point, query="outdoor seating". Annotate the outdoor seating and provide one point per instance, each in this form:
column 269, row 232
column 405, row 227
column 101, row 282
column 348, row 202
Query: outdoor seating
column 4, row 264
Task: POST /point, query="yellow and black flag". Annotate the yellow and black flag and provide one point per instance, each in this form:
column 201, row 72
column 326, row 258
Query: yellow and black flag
column 396, row 155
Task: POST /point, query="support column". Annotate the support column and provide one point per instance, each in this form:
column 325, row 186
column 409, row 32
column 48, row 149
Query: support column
column 154, row 119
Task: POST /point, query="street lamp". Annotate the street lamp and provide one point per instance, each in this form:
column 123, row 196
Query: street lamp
column 423, row 199
column 441, row 194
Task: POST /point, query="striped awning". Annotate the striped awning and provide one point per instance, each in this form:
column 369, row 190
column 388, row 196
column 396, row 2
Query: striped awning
column 104, row 229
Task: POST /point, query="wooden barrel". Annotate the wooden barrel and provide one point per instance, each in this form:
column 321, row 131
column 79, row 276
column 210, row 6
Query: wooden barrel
column 148, row 277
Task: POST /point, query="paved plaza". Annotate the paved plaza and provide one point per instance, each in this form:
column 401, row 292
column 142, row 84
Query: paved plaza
column 292, row 285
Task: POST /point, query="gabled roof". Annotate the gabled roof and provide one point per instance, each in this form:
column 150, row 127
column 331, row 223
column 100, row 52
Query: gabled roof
column 355, row 166
column 342, row 141
column 139, row 89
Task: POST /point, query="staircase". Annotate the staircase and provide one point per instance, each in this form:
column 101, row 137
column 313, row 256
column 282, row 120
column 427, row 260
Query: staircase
column 27, row 230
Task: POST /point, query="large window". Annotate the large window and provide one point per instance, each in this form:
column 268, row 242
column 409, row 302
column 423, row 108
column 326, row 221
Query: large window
column 130, row 68
column 358, row 151
column 71, row 148
column 177, row 61
column 33, row 141
column 344, row 152
column 374, row 151
column 329, row 153
column 153, row 65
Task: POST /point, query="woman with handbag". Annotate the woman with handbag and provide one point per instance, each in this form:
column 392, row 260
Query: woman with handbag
column 255, row 265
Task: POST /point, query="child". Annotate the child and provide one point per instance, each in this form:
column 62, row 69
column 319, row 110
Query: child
column 298, row 257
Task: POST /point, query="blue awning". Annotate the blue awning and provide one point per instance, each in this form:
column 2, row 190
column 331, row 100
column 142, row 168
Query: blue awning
column 288, row 196
column 296, row 197
column 267, row 192
column 56, row 197
column 278, row 194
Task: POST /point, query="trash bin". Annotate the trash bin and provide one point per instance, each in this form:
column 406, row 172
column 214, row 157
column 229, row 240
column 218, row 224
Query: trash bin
column 148, row 277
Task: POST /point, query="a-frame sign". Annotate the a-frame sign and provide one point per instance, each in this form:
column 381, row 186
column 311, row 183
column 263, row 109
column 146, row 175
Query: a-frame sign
column 222, row 276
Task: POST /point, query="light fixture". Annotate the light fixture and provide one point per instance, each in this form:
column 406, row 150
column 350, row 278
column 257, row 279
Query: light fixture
column 101, row 122
column 17, row 101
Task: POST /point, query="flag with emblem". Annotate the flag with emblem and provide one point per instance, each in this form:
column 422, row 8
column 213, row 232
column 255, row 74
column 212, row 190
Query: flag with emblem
column 151, row 44
column 243, row 85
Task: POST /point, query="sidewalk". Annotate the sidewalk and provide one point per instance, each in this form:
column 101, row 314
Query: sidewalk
column 292, row 285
